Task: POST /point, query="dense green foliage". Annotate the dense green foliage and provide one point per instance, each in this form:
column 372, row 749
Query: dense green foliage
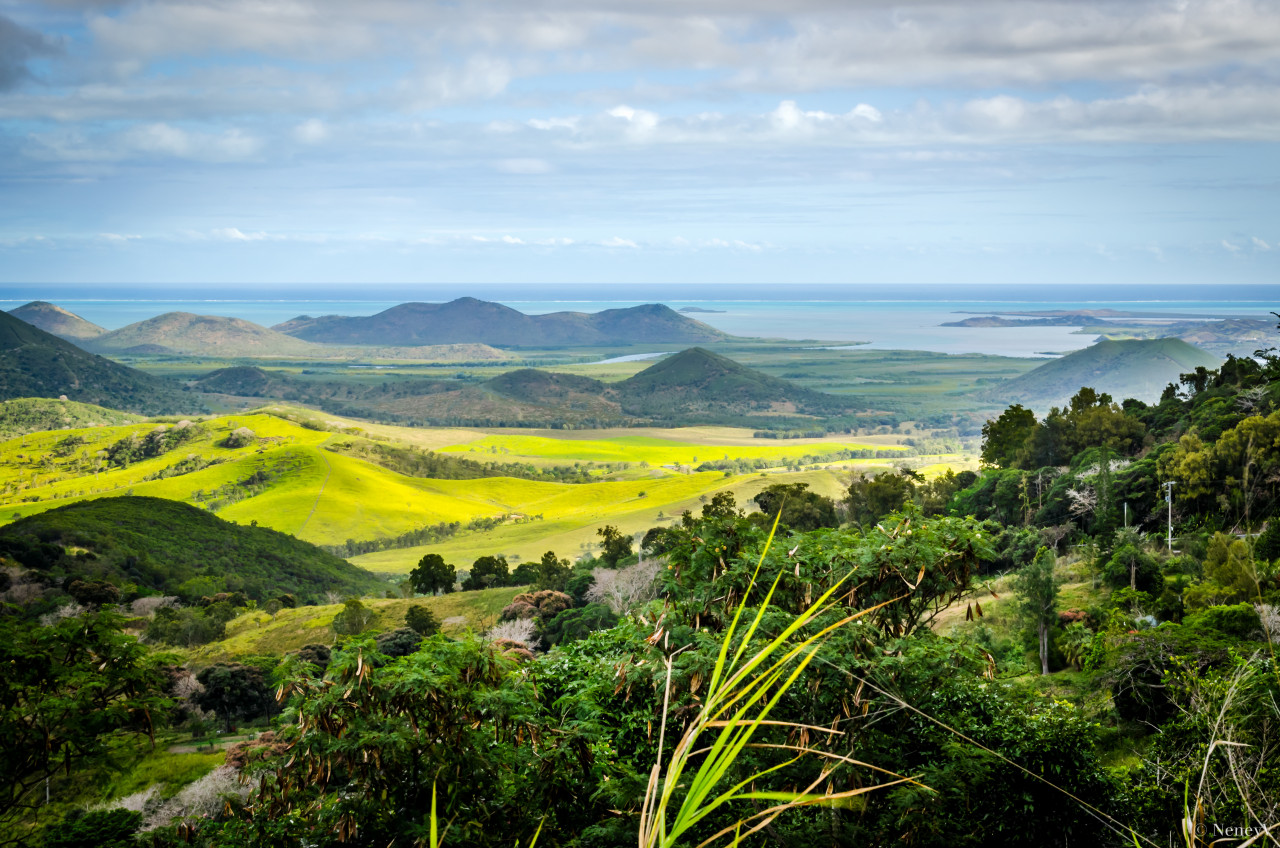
column 447, row 466
column 156, row 545
column 432, row 574
column 63, row 691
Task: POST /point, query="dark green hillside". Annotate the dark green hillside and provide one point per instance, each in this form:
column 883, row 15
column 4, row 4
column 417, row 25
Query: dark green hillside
column 245, row 380
column 58, row 321
column 176, row 549
column 693, row 386
column 199, row 335
column 34, row 363
column 470, row 320
column 534, row 386
column 361, row 400
column 1133, row 368
column 699, row 382
column 35, row 415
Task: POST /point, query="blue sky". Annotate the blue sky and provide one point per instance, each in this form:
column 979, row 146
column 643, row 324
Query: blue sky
column 817, row 141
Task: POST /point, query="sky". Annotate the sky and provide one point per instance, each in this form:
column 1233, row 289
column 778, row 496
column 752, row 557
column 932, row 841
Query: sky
column 1017, row 142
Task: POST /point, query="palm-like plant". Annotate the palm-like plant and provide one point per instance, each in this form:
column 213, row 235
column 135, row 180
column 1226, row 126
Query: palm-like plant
column 744, row 689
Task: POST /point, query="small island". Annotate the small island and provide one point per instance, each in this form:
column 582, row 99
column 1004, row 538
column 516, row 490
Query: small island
column 699, row 309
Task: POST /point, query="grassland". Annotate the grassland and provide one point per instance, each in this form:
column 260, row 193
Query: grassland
column 639, row 479
column 652, row 450
column 569, row 528
column 256, row 633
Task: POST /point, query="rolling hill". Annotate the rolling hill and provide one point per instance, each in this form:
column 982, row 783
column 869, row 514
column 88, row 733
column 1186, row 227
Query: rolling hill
column 33, row 415
column 470, row 320
column 698, row 383
column 302, row 478
column 34, row 363
column 1134, row 368
column 57, row 321
column 694, row 385
column 177, row 549
column 200, row 335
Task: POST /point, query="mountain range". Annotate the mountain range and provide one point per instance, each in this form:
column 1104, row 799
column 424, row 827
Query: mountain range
column 470, row 320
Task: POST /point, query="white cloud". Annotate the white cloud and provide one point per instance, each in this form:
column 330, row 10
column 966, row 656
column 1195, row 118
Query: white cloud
column 523, row 166
column 234, row 234
column 615, row 241
column 166, row 140
column 640, row 124
column 1230, row 247
column 312, row 131
column 1259, row 244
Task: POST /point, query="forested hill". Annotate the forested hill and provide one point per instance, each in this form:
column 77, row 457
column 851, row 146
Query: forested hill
column 470, row 320
column 34, row 363
column 697, row 381
column 693, row 386
column 1131, row 368
column 176, row 549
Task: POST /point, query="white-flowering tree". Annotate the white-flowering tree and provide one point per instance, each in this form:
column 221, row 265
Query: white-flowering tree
column 623, row 589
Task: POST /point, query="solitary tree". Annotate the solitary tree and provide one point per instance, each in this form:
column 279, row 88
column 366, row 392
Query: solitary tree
column 617, row 546
column 872, row 498
column 433, row 575
column 234, row 691
column 802, row 510
column 553, row 572
column 1005, row 438
column 353, row 618
column 1037, row 592
column 487, row 571
column 421, row 620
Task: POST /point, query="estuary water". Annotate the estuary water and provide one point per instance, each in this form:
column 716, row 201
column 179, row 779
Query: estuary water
column 884, row 318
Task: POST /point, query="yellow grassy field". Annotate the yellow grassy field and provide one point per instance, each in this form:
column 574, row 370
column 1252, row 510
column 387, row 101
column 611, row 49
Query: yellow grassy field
column 329, row 498
column 570, row 528
column 648, row 449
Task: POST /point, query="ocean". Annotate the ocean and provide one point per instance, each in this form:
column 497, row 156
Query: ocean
column 900, row 318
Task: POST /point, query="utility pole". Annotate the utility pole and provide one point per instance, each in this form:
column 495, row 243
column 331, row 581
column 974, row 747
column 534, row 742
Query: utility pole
column 1126, row 515
column 1168, row 496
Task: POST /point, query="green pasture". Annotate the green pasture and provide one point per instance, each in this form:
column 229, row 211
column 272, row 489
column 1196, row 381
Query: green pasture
column 256, row 633
column 33, row 478
column 647, row 449
column 329, row 498
column 569, row 525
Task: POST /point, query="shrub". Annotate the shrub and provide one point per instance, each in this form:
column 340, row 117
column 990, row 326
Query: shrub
column 353, row 618
column 400, row 642
column 240, row 437
column 98, row 828
column 1239, row 620
column 421, row 620
column 521, row 632
column 1129, row 565
column 540, row 605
